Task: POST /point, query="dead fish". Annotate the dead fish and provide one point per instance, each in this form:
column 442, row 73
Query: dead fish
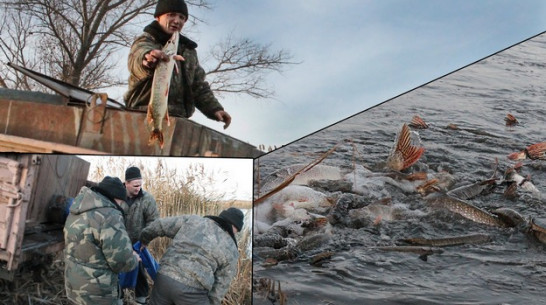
column 404, row 154
column 470, row 191
column 450, row 241
column 317, row 172
column 158, row 105
column 533, row 152
column 510, row 217
column 510, row 120
column 418, row 123
column 464, row 209
column 423, row 252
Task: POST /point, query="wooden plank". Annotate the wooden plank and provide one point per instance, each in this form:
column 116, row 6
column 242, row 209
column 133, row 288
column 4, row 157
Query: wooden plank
column 9, row 143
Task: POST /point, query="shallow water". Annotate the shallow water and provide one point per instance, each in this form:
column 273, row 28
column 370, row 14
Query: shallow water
column 511, row 269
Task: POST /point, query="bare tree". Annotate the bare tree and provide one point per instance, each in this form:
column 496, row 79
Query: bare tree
column 78, row 41
column 241, row 66
column 15, row 38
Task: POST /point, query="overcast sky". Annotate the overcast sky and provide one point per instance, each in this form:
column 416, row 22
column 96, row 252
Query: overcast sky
column 355, row 54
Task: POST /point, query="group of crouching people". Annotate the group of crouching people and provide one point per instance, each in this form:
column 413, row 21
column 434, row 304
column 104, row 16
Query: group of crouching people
column 109, row 226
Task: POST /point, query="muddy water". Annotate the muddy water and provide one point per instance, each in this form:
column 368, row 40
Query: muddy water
column 511, row 269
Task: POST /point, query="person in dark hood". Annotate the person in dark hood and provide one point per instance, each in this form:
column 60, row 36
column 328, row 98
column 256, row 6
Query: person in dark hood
column 188, row 89
column 201, row 262
column 97, row 246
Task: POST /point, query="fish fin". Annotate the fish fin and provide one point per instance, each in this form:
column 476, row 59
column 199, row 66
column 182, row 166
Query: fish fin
column 537, row 151
column 424, row 257
column 167, row 118
column 410, row 153
column 149, row 116
column 177, row 58
column 418, row 122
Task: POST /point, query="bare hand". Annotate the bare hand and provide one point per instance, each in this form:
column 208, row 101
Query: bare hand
column 223, row 116
column 142, row 246
column 137, row 256
column 152, row 58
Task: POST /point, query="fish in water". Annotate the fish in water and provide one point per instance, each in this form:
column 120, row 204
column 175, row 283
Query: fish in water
column 158, row 105
column 533, row 152
column 294, row 203
column 470, row 191
column 510, row 120
column 538, row 231
column 423, row 252
column 464, row 209
column 418, row 123
column 317, row 172
column 510, row 217
column 404, row 153
column 449, row 241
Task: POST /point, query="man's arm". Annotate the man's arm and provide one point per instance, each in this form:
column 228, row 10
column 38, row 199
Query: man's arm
column 168, row 227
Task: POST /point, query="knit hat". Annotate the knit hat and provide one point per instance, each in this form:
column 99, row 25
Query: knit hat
column 171, row 6
column 132, row 173
column 233, row 216
column 113, row 187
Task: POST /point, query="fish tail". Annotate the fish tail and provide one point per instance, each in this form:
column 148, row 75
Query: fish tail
column 156, row 135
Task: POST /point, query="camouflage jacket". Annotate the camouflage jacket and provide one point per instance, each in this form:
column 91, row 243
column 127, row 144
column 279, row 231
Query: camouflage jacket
column 201, row 255
column 188, row 88
column 97, row 249
column 140, row 214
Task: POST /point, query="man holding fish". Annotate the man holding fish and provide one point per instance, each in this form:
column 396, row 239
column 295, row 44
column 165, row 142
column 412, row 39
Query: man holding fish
column 184, row 89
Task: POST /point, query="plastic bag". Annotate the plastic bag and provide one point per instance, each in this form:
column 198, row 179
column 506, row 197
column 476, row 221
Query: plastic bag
column 128, row 279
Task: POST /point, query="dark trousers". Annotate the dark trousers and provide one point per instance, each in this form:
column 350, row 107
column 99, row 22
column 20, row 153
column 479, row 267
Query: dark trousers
column 170, row 292
column 142, row 288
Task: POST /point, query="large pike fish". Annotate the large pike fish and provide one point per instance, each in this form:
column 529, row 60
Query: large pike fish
column 157, row 107
column 449, row 241
column 464, row 209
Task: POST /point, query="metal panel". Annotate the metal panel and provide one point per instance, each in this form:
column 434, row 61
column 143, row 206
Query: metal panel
column 16, row 211
column 57, row 175
column 113, row 131
column 28, row 183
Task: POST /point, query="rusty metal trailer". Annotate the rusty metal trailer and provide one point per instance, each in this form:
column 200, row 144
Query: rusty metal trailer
column 28, row 117
column 34, row 193
column 75, row 121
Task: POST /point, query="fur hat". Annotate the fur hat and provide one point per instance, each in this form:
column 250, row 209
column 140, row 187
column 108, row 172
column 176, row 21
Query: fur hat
column 132, row 173
column 233, row 216
column 113, row 187
column 171, row 6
